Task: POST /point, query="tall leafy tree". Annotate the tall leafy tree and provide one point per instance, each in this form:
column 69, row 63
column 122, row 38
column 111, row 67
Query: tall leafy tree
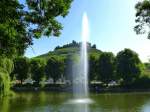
column 128, row 66
column 106, row 67
column 43, row 13
column 4, row 82
column 13, row 35
column 54, row 68
column 143, row 17
column 21, row 68
column 37, row 69
column 6, row 67
column 20, row 23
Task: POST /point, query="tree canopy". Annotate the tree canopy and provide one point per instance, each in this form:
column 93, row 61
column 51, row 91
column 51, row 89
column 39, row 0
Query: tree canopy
column 37, row 69
column 6, row 67
column 13, row 35
column 143, row 17
column 128, row 66
column 43, row 13
column 20, row 23
column 21, row 68
column 54, row 68
column 106, row 67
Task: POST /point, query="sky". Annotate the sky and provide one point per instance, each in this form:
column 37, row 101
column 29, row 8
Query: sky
column 111, row 24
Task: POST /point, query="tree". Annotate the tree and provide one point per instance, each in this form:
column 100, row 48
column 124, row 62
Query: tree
column 21, row 68
column 19, row 26
column 13, row 35
column 74, row 43
column 56, row 48
column 68, row 68
column 6, row 67
column 6, row 64
column 43, row 13
column 143, row 17
column 106, row 67
column 54, row 68
column 128, row 66
column 94, row 46
column 37, row 69
column 93, row 67
column 4, row 82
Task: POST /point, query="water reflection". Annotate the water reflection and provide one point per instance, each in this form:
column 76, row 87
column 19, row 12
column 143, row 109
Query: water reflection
column 81, row 108
column 80, row 105
column 146, row 107
column 56, row 102
column 129, row 102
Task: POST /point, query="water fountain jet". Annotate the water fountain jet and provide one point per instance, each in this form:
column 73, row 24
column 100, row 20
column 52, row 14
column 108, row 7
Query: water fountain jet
column 80, row 73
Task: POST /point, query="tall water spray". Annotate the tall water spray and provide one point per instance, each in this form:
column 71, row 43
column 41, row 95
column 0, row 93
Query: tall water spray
column 80, row 74
column 84, row 55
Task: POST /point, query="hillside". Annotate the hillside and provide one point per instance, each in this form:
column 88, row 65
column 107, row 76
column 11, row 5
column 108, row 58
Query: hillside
column 70, row 49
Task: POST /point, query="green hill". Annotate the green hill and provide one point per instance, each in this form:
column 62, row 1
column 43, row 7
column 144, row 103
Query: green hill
column 64, row 52
column 70, row 49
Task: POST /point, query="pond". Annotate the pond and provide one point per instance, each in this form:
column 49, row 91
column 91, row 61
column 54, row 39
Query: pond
column 57, row 102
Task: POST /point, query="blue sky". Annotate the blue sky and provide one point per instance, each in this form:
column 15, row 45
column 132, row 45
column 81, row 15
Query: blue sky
column 111, row 28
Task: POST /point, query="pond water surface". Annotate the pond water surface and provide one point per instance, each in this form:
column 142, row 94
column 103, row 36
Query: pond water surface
column 57, row 102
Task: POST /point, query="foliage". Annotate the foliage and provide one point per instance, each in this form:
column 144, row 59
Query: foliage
column 6, row 67
column 20, row 23
column 143, row 17
column 43, row 13
column 128, row 66
column 94, row 46
column 68, row 49
column 142, row 82
column 75, row 44
column 6, row 64
column 93, row 67
column 42, row 82
column 103, row 67
column 4, row 82
column 147, row 66
column 106, row 67
column 13, row 39
column 21, row 68
column 37, row 69
column 54, row 68
column 68, row 68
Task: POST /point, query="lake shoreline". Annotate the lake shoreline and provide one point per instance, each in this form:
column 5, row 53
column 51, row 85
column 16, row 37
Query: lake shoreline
column 69, row 89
